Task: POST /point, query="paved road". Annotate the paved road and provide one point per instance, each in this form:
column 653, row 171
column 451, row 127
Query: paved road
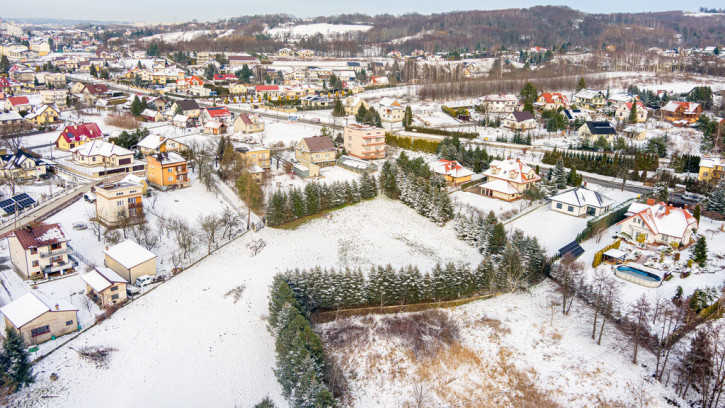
column 43, row 211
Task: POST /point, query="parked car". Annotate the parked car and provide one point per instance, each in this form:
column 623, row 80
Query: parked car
column 315, row 120
column 90, row 197
column 143, row 280
column 80, row 225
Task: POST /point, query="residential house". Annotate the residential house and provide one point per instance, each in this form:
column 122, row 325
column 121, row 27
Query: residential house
column 55, row 80
column 76, row 135
column 364, row 142
column 98, row 159
column 681, row 113
column 635, row 132
column 316, row 101
column 499, row 103
column 452, row 171
column 215, row 113
column 318, row 150
column 39, row 319
column 238, row 89
column 390, row 111
column 54, row 96
column 619, row 98
column 658, row 223
column 160, row 144
column 168, row 170
column 508, row 179
column 215, row 128
column 592, row 131
column 17, row 103
column 353, row 103
column 248, row 123
column 574, row 115
column 130, row 260
column 712, row 169
column 240, row 60
column 151, row 115
column 591, row 99
column 117, row 202
column 224, row 78
column 182, row 121
column 581, row 202
column 9, row 86
column 255, row 156
column 622, row 113
column 10, row 118
column 267, row 91
column 521, row 121
column 379, row 80
column 187, row 107
column 185, row 84
column 39, row 251
column 94, row 91
column 105, row 287
column 22, row 165
column 43, row 114
column 551, row 101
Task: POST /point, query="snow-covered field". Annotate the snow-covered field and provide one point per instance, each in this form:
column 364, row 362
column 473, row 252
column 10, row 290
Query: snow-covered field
column 510, row 347
column 185, row 35
column 185, row 336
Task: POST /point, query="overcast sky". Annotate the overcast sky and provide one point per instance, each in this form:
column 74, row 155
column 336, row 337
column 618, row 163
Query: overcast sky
column 186, row 10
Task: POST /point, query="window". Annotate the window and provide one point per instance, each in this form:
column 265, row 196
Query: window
column 558, row 205
column 114, row 288
column 36, row 263
column 570, row 209
column 40, row 330
column 114, row 297
column 69, row 323
column 171, row 178
column 56, row 259
column 119, row 203
column 54, row 246
column 33, row 251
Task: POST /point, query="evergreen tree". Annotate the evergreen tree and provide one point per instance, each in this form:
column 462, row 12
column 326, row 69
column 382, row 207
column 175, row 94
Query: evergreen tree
column 4, row 64
column 696, row 213
column 716, row 201
column 265, row 403
column 528, row 94
column 361, row 114
column 497, row 240
column 581, row 84
column 699, row 252
column 661, row 192
column 337, row 109
column 633, row 113
column 408, row 119
column 15, row 362
column 136, row 107
column 559, row 175
column 93, row 71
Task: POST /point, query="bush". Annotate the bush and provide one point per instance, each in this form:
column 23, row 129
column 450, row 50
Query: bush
column 122, row 120
column 442, row 132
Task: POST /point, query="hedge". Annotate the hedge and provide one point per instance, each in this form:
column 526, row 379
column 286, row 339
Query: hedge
column 599, row 256
column 604, row 221
column 442, row 132
column 420, row 145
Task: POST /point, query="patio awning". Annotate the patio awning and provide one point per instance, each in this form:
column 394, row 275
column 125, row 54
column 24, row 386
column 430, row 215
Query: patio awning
column 615, row 253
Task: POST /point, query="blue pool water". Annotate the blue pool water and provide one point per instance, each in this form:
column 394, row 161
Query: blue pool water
column 639, row 274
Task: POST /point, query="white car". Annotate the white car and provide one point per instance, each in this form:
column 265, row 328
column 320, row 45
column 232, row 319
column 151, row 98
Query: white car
column 143, row 280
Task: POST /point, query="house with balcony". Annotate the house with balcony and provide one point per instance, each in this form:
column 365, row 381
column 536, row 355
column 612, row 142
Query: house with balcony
column 364, row 142
column 168, row 170
column 22, row 165
column 499, row 103
column 316, row 150
column 43, row 114
column 41, row 251
column 118, row 202
column 390, row 111
column 521, row 121
column 353, row 103
column 38, row 318
column 105, row 287
column 622, row 113
column 255, row 156
column 76, row 135
column 508, row 179
column 712, row 169
column 551, row 101
column 98, row 159
column 591, row 99
column 215, row 113
column 681, row 113
column 658, row 223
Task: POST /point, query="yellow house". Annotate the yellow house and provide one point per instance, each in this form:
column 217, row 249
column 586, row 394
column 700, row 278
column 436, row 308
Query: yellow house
column 352, row 104
column 160, row 144
column 39, row 319
column 238, row 89
column 508, row 179
column 248, row 123
column 130, row 260
column 43, row 114
column 318, row 150
column 712, row 168
column 22, row 165
column 256, row 156
column 168, row 170
column 105, row 287
column 452, row 171
column 117, row 201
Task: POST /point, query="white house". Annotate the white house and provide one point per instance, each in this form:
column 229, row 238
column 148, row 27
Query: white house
column 658, row 223
column 581, row 201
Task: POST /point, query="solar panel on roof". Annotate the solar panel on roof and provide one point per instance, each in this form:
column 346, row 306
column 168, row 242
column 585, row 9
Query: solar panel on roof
column 5, row 203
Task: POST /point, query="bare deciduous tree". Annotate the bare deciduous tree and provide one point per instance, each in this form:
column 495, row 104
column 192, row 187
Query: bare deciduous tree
column 568, row 273
column 208, row 224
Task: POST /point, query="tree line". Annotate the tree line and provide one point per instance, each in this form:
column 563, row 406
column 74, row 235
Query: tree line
column 607, row 165
column 286, row 206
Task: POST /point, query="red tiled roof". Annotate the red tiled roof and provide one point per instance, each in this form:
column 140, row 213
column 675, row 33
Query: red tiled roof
column 218, row 111
column 18, row 100
column 262, row 88
column 84, row 131
column 41, row 235
column 96, row 89
column 554, row 97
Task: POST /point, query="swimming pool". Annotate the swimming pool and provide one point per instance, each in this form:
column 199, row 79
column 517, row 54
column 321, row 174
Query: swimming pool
column 636, row 274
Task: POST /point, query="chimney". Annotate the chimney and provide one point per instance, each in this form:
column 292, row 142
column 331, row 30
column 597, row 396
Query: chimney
column 650, row 201
column 57, row 307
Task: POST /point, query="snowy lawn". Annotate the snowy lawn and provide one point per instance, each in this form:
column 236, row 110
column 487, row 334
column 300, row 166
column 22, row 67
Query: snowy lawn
column 552, row 228
column 187, row 336
column 463, row 201
column 513, row 350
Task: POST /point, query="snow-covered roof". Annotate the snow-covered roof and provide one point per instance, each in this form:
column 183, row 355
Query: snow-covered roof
column 502, row 186
column 588, row 94
column 511, row 170
column 149, row 113
column 9, row 116
column 662, row 218
column 30, row 306
column 582, row 196
column 390, row 103
column 151, row 141
column 40, row 236
column 711, row 161
column 615, row 253
column 102, row 278
column 450, row 168
column 100, row 148
column 180, row 118
column 129, row 254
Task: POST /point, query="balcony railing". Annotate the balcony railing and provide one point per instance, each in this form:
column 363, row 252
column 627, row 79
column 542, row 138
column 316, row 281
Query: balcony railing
column 135, row 205
column 56, row 252
column 60, row 266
